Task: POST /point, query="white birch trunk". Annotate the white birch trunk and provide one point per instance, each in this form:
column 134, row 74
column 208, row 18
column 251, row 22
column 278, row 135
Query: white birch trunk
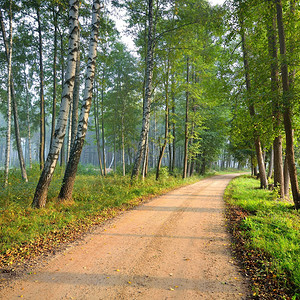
column 71, row 169
column 40, row 196
column 28, row 121
column 8, row 132
column 69, row 130
column 123, row 147
column 14, row 107
column 148, row 93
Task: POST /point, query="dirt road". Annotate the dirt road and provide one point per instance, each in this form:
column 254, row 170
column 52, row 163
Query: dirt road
column 174, row 247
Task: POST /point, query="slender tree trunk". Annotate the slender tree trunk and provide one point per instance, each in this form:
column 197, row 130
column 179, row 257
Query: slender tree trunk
column 277, row 143
column 186, row 132
column 287, row 114
column 14, row 107
column 8, row 132
column 76, row 96
column 174, row 137
column 170, row 145
column 154, row 146
column 123, row 149
column 102, row 128
column 28, row 119
column 286, row 179
column 42, row 100
column 54, row 76
column 71, row 169
column 259, row 154
column 115, row 153
column 145, row 158
column 271, row 164
column 69, row 131
column 162, row 150
column 96, row 118
column 62, row 62
column 40, row 196
column 148, row 93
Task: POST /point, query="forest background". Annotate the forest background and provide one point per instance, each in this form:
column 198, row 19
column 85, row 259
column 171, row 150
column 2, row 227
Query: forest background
column 202, row 87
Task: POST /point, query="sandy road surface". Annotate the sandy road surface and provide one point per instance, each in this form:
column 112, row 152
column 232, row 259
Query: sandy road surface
column 174, row 247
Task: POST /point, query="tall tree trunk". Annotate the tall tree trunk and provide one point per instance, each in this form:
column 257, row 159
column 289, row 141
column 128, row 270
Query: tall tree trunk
column 162, row 149
column 145, row 172
column 8, row 132
column 170, row 145
column 96, row 118
column 277, row 143
column 14, row 107
column 148, row 93
column 154, row 146
column 102, row 128
column 286, row 179
column 271, row 163
column 69, row 130
column 62, row 62
column 40, row 195
column 42, row 100
column 287, row 114
column 174, row 137
column 145, row 158
column 123, row 148
column 186, row 131
column 259, row 154
column 71, row 169
column 28, row 119
column 76, row 95
column 54, row 76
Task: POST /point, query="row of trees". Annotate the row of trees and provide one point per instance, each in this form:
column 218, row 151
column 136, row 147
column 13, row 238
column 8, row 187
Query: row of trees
column 264, row 60
column 205, row 81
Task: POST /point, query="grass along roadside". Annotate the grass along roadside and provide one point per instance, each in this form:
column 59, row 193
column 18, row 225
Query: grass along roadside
column 26, row 232
column 266, row 235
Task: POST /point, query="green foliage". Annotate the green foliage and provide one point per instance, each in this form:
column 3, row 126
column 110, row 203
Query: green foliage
column 272, row 227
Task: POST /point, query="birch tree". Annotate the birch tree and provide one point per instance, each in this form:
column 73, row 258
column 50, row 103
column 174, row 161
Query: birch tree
column 42, row 100
column 72, row 165
column 148, row 93
column 14, row 106
column 40, row 195
column 8, row 132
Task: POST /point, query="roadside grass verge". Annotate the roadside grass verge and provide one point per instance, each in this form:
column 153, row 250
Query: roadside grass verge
column 266, row 234
column 26, row 232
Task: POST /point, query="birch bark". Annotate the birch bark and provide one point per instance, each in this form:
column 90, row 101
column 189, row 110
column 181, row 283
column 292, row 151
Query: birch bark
column 8, row 132
column 28, row 119
column 54, row 76
column 71, row 169
column 14, row 108
column 148, row 93
column 40, row 195
column 42, row 100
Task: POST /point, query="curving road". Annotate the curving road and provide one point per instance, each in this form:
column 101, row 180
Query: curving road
column 174, row 247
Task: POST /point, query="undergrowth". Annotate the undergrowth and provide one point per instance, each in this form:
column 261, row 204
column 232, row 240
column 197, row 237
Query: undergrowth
column 22, row 227
column 272, row 227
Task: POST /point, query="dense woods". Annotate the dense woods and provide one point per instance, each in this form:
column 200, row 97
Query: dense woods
column 204, row 87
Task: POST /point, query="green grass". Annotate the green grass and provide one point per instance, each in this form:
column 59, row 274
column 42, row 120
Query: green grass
column 93, row 196
column 272, row 226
